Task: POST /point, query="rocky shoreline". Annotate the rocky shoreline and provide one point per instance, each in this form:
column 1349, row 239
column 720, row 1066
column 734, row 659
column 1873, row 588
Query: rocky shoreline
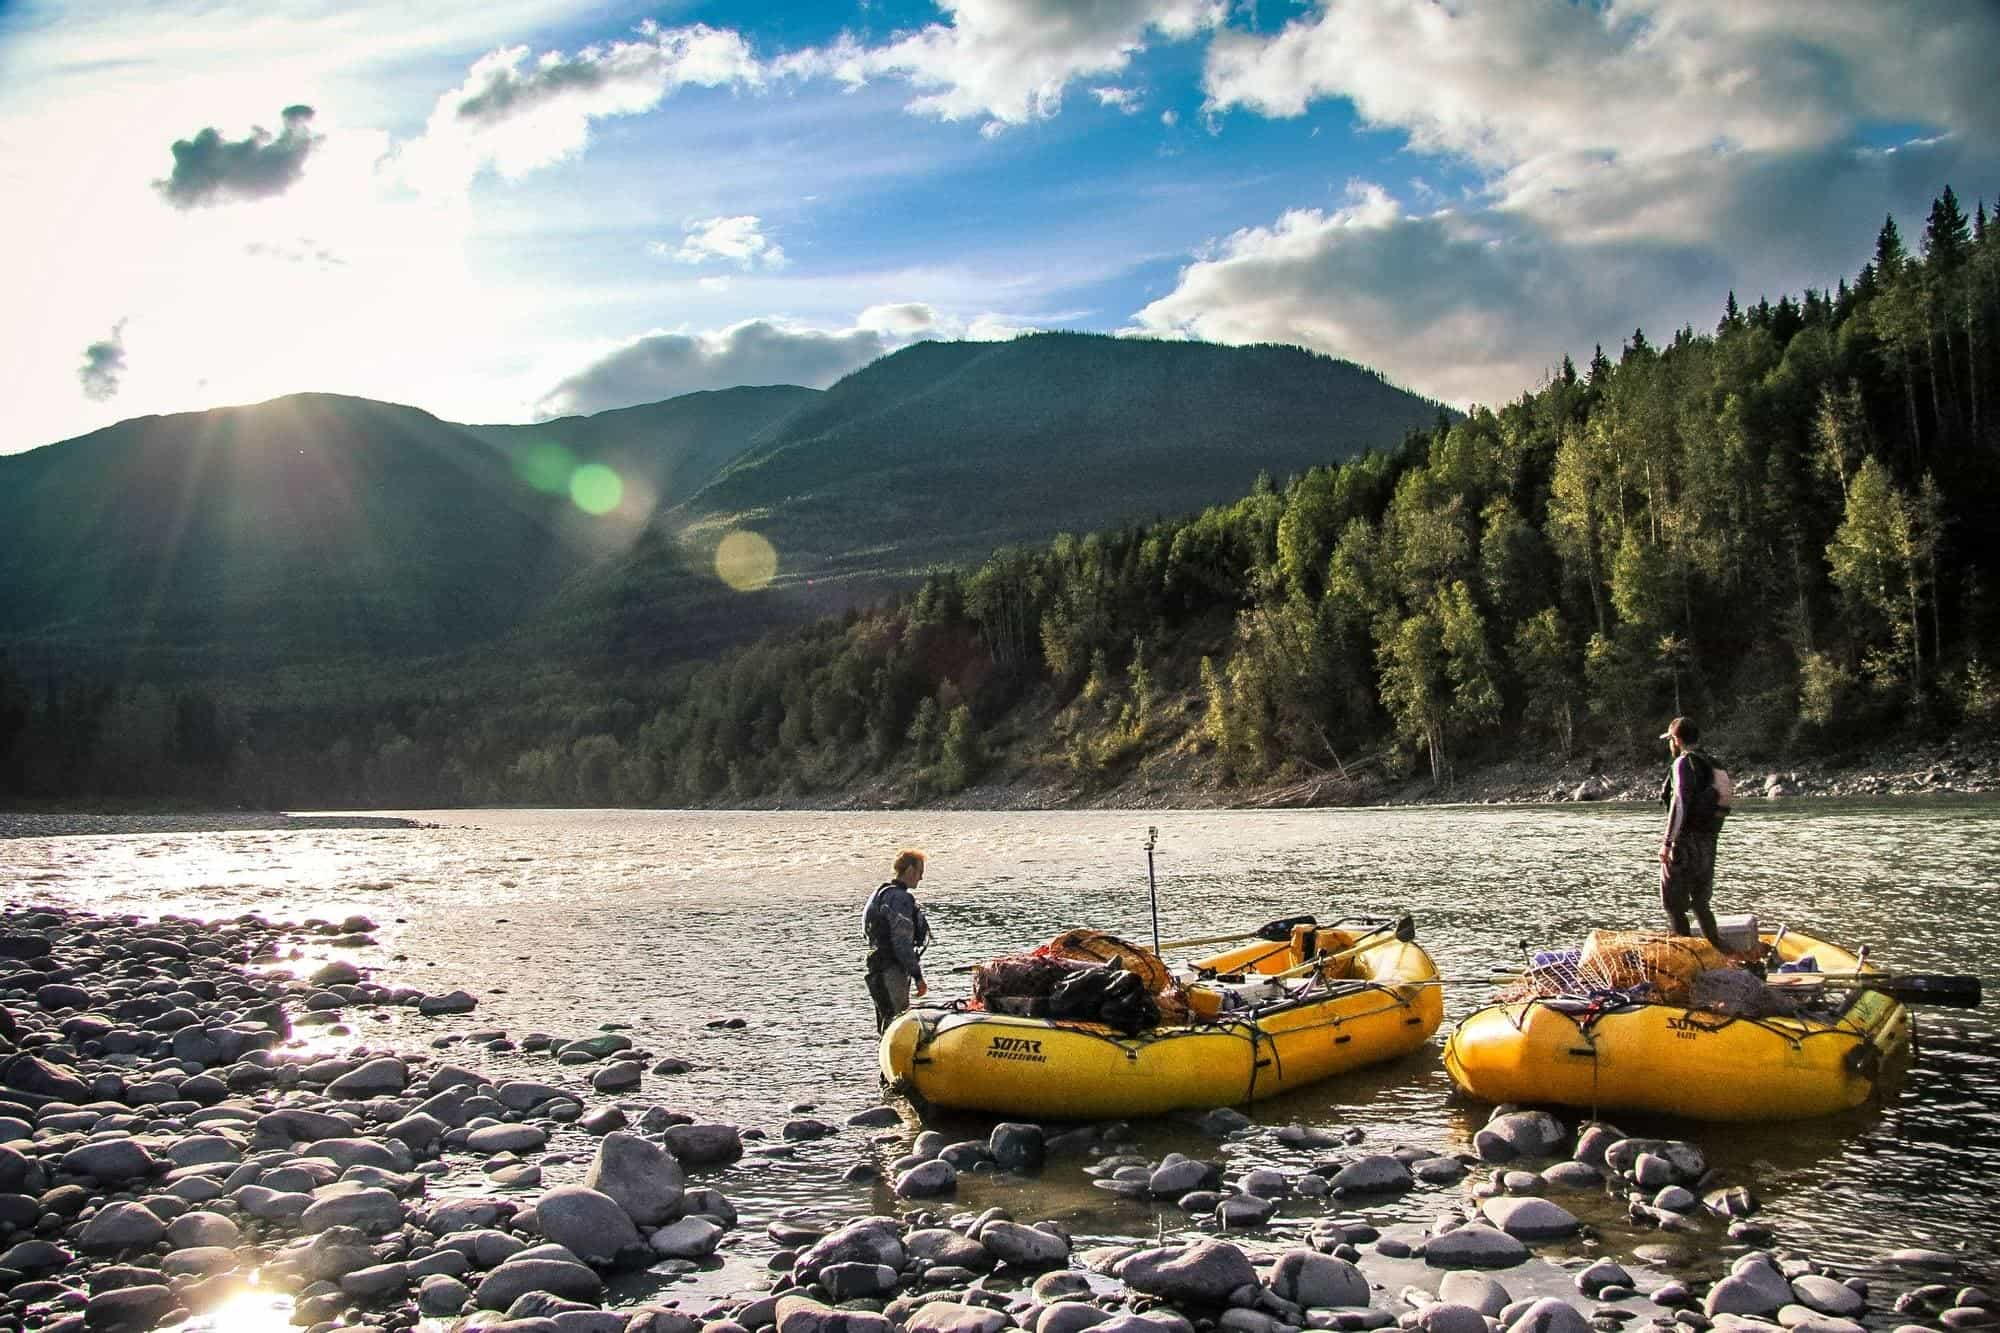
column 190, row 1129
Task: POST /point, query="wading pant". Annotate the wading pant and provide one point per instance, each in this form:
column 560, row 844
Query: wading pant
column 1688, row 881
column 889, row 987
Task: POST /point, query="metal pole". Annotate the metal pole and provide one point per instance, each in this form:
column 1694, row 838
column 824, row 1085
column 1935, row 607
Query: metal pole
column 1153, row 886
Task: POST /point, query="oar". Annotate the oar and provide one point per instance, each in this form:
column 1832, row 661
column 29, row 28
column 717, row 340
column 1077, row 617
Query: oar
column 1404, row 927
column 1955, row 991
column 1281, row 929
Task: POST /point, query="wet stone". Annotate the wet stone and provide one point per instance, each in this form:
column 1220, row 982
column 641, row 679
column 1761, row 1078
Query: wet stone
column 1471, row 1246
column 1530, row 1218
column 1377, row 1174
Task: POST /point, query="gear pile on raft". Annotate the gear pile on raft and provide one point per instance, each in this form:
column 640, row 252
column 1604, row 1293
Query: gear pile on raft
column 1089, row 1026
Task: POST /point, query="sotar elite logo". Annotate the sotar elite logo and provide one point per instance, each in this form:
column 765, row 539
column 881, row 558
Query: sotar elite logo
column 1016, row 1048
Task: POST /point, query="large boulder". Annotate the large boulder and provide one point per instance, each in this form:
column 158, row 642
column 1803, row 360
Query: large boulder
column 1023, row 1247
column 705, row 1145
column 110, row 1160
column 927, row 1180
column 941, row 1247
column 1518, row 1134
column 507, row 1138
column 642, row 1177
column 1016, row 1147
column 1474, row 1246
column 1308, row 1278
column 34, row 1075
column 517, row 1277
column 297, row 1124
column 369, row 1208
column 201, row 1229
column 796, row 1314
column 589, row 1224
column 1481, row 1293
column 1754, row 1287
column 1378, row 1174
column 130, row 1308
column 1203, row 1273
column 951, row 1317
column 1530, row 1218
column 1176, row 1175
column 847, row 1282
column 872, row 1240
column 689, row 1238
column 121, row 1226
column 381, row 1077
column 1827, row 1295
column 1550, row 1315
column 394, row 1155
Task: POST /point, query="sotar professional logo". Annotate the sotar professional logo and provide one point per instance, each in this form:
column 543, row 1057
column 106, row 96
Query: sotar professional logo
column 1686, row 1029
column 1016, row 1048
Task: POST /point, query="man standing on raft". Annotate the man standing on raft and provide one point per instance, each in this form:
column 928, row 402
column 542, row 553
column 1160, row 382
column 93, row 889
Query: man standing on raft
column 897, row 933
column 1694, row 820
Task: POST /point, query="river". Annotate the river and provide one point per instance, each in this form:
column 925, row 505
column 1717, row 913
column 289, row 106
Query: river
column 564, row 920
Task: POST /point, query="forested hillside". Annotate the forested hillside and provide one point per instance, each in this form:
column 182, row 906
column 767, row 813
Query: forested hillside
column 943, row 452
column 1784, row 524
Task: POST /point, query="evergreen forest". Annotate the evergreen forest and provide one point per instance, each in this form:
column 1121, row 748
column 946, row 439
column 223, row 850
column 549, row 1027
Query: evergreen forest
column 1784, row 525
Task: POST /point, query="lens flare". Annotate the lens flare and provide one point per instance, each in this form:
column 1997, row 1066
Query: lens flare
column 595, row 488
column 249, row 1311
column 546, row 467
column 745, row 561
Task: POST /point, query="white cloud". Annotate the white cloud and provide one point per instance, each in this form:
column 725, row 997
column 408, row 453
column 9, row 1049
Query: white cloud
column 736, row 240
column 1010, row 61
column 774, row 350
column 515, row 114
column 665, row 364
column 1557, row 98
column 1123, row 99
column 1636, row 161
column 903, row 320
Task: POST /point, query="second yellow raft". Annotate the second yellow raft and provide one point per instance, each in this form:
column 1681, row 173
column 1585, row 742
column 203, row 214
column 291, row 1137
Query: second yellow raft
column 1687, row 1062
column 1340, row 998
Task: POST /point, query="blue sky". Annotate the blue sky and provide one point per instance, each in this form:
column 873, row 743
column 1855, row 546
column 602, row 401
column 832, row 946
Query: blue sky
column 510, row 209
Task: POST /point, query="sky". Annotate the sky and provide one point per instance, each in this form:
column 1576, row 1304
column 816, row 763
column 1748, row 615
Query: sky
column 507, row 210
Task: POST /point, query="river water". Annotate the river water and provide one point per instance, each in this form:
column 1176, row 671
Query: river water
column 564, row 920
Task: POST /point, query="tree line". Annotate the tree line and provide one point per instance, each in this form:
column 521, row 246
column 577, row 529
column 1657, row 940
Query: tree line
column 1783, row 525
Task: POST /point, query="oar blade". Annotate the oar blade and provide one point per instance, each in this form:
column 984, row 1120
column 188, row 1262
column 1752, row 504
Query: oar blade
column 1950, row 991
column 1281, row 929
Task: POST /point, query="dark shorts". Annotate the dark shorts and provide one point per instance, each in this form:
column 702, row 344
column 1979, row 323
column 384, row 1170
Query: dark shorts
column 889, row 988
column 1689, row 879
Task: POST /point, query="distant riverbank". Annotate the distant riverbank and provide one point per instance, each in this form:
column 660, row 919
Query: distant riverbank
column 1954, row 767
column 98, row 824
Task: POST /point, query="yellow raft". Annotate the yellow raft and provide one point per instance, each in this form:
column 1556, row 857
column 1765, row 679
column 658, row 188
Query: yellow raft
column 1676, row 1060
column 1264, row 1019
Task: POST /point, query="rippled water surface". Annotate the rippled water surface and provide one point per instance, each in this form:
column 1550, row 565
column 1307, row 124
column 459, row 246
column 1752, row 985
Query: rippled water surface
column 564, row 920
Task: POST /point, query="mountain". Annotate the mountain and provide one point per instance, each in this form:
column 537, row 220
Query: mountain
column 672, row 448
column 942, row 452
column 319, row 527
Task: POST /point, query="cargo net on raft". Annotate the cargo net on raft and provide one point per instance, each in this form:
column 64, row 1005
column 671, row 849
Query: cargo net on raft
column 1647, row 967
column 1083, row 976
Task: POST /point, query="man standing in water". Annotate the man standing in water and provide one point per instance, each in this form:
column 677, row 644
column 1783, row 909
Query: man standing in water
column 897, row 933
column 1694, row 820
